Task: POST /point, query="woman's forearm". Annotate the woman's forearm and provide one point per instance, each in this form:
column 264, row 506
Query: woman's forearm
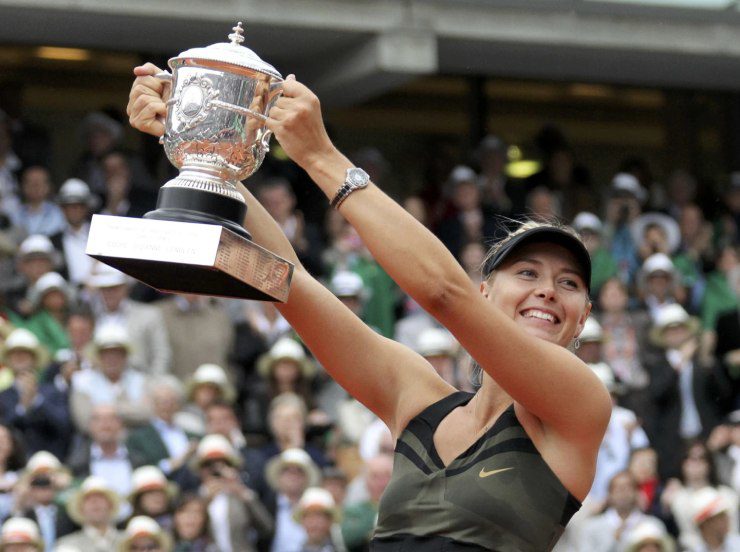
column 405, row 248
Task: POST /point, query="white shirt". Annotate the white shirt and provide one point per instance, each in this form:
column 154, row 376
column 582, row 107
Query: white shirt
column 79, row 265
column 614, row 453
column 218, row 513
column 46, row 517
column 289, row 534
column 115, row 470
column 175, row 441
column 101, row 390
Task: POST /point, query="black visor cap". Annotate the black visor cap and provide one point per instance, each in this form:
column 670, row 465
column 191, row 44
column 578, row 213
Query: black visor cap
column 547, row 234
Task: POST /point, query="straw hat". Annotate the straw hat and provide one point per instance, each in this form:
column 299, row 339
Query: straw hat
column 216, row 447
column 215, row 375
column 316, row 499
column 144, row 526
column 292, row 457
column 285, row 349
column 150, row 478
column 668, row 316
column 92, row 485
column 43, row 463
column 49, row 282
column 104, row 276
column 436, row 342
column 111, row 336
column 23, row 339
column 667, row 223
column 649, row 531
column 707, row 503
column 18, row 530
column 592, row 331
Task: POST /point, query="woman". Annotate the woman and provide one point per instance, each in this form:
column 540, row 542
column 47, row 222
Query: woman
column 550, row 411
column 190, row 527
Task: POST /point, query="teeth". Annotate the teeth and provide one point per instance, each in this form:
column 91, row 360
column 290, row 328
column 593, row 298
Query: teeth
column 539, row 314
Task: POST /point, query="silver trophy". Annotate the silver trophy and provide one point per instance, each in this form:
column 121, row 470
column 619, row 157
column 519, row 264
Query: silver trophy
column 215, row 134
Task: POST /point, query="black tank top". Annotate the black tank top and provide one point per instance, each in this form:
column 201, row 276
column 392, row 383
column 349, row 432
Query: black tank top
column 498, row 495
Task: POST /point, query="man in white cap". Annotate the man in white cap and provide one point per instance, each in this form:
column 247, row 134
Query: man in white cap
column 94, row 506
column 114, row 381
column 439, row 348
column 603, row 265
column 318, row 514
column 150, row 346
column 20, row 535
column 623, row 206
column 659, row 284
column 76, row 202
column 35, row 257
column 289, row 475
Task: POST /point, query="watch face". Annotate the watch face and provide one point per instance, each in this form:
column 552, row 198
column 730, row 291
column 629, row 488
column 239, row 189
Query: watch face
column 357, row 177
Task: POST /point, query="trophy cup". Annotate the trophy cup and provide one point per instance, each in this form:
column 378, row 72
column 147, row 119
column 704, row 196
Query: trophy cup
column 194, row 242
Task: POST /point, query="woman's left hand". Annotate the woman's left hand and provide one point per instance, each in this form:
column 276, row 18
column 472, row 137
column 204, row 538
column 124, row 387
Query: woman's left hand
column 296, row 121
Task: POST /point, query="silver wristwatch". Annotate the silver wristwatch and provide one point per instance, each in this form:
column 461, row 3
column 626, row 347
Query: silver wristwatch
column 355, row 179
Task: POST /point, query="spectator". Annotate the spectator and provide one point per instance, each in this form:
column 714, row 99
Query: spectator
column 114, row 382
column 603, row 265
column 160, row 441
column 289, row 475
column 143, row 533
column 287, row 419
column 542, row 204
column 335, row 481
column 622, row 208
column 469, row 219
column 440, row 349
column 591, row 341
column 625, row 341
column 727, row 343
column 238, row 518
column 277, row 197
column 191, row 525
column 655, row 233
column 199, row 332
column 643, row 465
column 100, row 134
column 720, row 296
column 698, row 478
column 318, row 514
column 125, row 195
column 21, row 352
column 12, row 461
column 104, row 453
column 153, row 496
column 492, row 156
column 658, row 284
column 38, row 411
column 36, row 256
column 10, row 164
column 36, row 214
column 20, row 535
column 696, row 252
column 472, row 256
column 43, row 480
column 623, row 434
column 79, row 329
column 649, row 536
column 150, row 351
column 207, row 386
column 349, row 288
column 685, row 392
column 724, row 444
column 285, row 368
column 610, row 530
column 51, row 299
column 76, row 202
column 94, row 507
column 360, row 518
column 711, row 516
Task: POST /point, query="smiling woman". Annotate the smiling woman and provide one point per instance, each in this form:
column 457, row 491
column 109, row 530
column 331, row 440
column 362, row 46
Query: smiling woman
column 502, row 469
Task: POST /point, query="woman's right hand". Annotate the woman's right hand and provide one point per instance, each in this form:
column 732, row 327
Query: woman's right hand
column 146, row 107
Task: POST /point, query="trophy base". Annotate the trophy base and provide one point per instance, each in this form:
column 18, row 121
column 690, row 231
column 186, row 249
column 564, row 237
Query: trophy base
column 202, row 207
column 183, row 257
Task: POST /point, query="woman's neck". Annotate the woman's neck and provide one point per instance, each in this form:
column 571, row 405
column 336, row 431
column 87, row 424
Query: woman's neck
column 488, row 403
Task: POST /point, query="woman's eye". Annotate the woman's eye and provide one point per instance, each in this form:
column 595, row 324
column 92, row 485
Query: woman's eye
column 571, row 284
column 527, row 272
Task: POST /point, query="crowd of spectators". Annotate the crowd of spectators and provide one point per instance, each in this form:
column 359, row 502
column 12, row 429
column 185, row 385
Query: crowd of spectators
column 144, row 421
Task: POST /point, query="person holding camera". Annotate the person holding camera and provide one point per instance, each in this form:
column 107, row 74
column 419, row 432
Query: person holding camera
column 238, row 518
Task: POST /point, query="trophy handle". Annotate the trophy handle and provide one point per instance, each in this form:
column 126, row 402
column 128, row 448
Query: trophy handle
column 165, row 76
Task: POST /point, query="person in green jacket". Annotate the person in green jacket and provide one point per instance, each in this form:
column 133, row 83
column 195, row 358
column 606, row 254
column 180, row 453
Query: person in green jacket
column 603, row 264
column 359, row 519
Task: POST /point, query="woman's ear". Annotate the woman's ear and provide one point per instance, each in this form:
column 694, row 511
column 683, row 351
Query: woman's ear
column 485, row 289
column 584, row 317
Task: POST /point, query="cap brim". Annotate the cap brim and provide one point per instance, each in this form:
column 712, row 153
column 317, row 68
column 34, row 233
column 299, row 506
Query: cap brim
column 549, row 234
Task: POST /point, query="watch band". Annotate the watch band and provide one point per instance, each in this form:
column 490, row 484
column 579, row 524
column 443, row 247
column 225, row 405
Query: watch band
column 355, row 179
